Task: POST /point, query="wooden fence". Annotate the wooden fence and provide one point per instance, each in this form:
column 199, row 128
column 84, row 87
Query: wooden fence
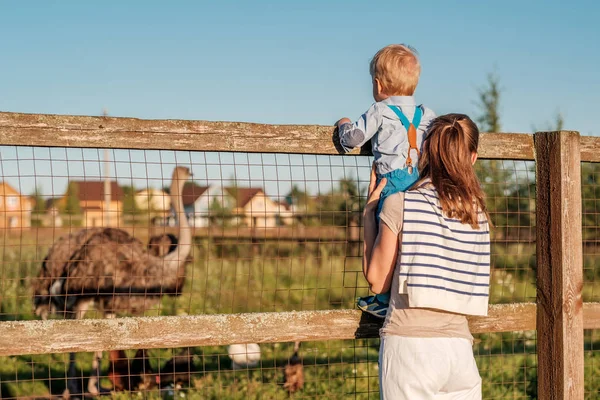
column 561, row 313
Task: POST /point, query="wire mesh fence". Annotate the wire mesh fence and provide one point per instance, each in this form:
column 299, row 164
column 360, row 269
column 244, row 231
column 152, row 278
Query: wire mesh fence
column 590, row 180
column 267, row 233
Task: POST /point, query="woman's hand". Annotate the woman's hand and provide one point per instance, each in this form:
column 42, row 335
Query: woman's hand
column 374, row 191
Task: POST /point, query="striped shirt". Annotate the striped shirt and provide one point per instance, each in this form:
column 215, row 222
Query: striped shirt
column 444, row 263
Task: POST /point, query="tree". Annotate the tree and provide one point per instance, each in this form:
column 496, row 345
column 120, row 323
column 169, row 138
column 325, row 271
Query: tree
column 71, row 205
column 130, row 207
column 304, row 206
column 508, row 196
column 489, row 104
column 218, row 214
column 39, row 206
column 341, row 205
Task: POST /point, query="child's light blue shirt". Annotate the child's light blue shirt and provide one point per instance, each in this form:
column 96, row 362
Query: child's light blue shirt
column 389, row 137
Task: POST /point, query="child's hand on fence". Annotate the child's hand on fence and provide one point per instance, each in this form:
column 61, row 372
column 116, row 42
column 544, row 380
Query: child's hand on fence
column 374, row 191
column 336, row 136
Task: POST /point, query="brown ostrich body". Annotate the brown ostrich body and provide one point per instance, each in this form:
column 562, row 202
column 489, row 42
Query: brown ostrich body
column 107, row 267
column 112, row 270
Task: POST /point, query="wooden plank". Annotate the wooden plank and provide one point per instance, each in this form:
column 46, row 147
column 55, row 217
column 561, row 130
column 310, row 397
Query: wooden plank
column 132, row 133
column 590, row 149
column 591, row 315
column 59, row 336
column 511, row 146
column 560, row 269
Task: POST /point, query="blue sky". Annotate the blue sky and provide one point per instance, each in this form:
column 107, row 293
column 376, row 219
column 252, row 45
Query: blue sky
column 296, row 62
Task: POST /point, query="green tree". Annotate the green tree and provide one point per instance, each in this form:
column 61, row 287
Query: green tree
column 39, row 207
column 218, row 214
column 489, row 104
column 71, row 205
column 304, row 204
column 130, row 206
column 342, row 204
column 504, row 193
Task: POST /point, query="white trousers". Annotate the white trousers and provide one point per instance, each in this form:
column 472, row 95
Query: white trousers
column 412, row 368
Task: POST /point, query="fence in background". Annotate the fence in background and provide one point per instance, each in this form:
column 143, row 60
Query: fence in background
column 558, row 315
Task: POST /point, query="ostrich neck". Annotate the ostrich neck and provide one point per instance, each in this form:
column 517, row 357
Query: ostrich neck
column 184, row 246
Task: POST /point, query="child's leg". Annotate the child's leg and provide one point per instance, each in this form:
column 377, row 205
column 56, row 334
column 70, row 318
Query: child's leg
column 389, row 189
column 377, row 305
column 397, row 181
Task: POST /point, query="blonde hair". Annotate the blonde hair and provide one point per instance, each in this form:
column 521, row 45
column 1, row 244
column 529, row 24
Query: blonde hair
column 397, row 68
column 447, row 161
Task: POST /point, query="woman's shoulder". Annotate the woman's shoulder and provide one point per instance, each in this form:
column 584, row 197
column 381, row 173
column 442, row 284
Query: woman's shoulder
column 392, row 211
column 394, row 199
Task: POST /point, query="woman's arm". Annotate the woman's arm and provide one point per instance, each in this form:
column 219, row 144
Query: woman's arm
column 380, row 250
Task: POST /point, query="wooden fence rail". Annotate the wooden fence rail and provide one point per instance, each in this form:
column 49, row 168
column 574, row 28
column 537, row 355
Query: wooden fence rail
column 57, row 336
column 559, row 315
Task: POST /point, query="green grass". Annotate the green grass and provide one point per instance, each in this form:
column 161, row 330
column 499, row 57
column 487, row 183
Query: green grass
column 283, row 278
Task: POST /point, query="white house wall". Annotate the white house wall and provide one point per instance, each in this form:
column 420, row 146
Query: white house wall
column 201, row 207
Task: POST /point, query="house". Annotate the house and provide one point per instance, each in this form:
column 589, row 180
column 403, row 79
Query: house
column 52, row 217
column 203, row 203
column 153, row 201
column 255, row 209
column 90, row 195
column 15, row 209
column 286, row 212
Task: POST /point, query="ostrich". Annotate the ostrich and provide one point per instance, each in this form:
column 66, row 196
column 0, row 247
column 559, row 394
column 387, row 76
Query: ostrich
column 178, row 370
column 125, row 374
column 294, row 372
column 128, row 374
column 244, row 355
column 112, row 270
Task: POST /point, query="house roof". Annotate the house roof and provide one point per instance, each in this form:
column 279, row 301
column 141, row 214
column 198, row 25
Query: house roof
column 191, row 192
column 286, row 206
column 8, row 190
column 94, row 191
column 242, row 196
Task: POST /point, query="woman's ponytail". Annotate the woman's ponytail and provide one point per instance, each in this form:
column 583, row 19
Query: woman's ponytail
column 447, row 160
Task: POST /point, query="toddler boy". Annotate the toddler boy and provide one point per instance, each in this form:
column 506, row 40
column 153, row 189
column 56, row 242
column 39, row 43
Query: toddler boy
column 395, row 124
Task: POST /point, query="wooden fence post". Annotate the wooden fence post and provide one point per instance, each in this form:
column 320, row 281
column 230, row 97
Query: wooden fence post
column 559, row 266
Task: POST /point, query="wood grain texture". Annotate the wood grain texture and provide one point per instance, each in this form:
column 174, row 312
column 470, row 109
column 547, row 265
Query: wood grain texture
column 560, row 268
column 591, row 315
column 59, row 336
column 132, row 133
column 590, row 149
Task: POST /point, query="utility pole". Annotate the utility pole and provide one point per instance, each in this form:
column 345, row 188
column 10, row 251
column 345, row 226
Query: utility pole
column 107, row 188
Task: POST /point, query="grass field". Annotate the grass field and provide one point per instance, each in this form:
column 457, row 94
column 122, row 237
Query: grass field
column 280, row 278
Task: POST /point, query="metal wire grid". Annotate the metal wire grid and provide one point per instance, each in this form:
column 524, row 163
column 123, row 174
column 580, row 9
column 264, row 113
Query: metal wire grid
column 590, row 180
column 241, row 268
column 510, row 191
column 331, row 370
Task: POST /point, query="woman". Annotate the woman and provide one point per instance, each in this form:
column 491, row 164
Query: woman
column 432, row 250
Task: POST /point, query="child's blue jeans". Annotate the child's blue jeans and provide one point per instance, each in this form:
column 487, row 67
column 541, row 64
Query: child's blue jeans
column 398, row 180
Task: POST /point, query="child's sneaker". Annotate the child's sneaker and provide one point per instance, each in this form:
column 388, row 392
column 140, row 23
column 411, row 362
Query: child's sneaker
column 373, row 306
